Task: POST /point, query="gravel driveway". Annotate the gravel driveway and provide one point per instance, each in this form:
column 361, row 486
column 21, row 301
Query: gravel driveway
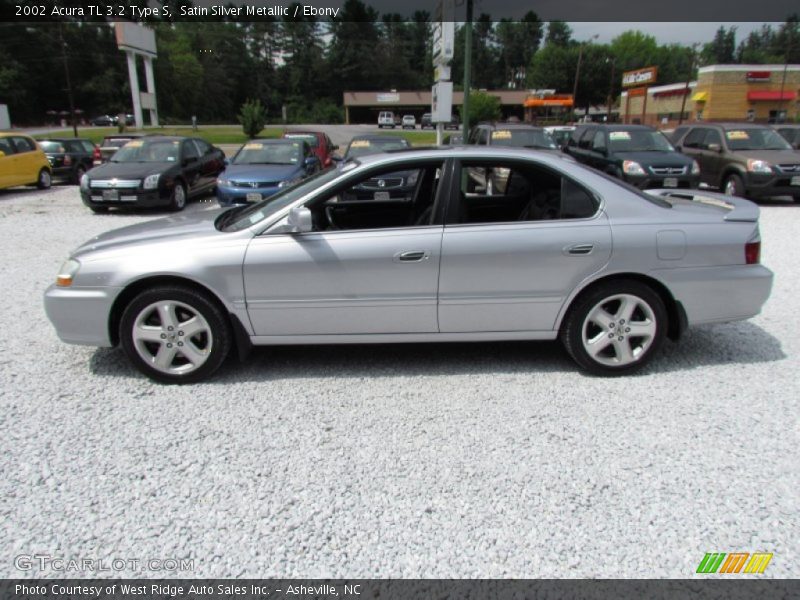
column 460, row 460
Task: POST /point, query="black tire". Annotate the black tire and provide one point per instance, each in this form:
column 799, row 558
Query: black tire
column 79, row 172
column 218, row 342
column 578, row 318
column 733, row 186
column 44, row 179
column 98, row 210
column 179, row 197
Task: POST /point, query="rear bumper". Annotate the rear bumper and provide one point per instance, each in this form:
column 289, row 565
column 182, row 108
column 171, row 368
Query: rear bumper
column 80, row 315
column 718, row 294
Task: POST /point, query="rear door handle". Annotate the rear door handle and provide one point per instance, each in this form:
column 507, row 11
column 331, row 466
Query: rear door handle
column 410, row 256
column 579, row 249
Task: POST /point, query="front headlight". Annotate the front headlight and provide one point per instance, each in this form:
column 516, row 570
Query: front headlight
column 223, row 181
column 758, row 166
column 288, row 182
column 631, row 167
column 85, row 182
column 695, row 168
column 151, row 181
column 67, row 272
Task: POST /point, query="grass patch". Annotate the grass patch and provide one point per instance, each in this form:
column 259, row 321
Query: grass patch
column 415, row 138
column 213, row 135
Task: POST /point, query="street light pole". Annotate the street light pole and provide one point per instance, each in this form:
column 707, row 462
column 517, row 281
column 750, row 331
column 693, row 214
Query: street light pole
column 688, row 79
column 66, row 75
column 610, row 90
column 782, row 113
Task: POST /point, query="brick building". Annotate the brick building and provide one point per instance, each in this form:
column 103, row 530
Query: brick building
column 756, row 93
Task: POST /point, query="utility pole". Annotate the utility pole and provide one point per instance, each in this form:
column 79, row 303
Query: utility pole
column 782, row 112
column 578, row 74
column 69, row 83
column 610, row 90
column 688, row 78
column 467, row 71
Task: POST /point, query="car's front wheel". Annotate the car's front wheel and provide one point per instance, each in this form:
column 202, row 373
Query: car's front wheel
column 178, row 199
column 734, row 186
column 45, row 180
column 615, row 328
column 175, row 334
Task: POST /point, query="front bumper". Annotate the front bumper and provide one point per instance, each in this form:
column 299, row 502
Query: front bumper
column 129, row 197
column 81, row 315
column 718, row 294
column 229, row 196
column 658, row 181
column 758, row 185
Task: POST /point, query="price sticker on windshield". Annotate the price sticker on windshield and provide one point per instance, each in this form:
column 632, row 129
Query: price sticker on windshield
column 134, row 144
column 619, row 135
column 501, row 134
column 737, row 135
column 360, row 144
column 253, row 146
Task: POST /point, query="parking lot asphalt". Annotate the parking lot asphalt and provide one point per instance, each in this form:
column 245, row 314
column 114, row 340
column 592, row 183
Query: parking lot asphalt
column 442, row 460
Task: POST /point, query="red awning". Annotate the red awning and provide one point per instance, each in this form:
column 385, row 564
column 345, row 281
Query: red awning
column 767, row 95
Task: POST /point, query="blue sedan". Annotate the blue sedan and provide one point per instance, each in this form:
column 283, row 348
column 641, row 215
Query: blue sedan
column 262, row 167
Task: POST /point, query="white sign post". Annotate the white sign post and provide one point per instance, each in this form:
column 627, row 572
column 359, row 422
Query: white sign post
column 136, row 40
column 444, row 35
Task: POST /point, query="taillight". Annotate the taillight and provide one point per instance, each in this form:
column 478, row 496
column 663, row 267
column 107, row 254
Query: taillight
column 752, row 253
column 96, row 157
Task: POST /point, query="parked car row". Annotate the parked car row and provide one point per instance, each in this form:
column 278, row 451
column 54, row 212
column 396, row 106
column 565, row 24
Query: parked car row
column 111, row 120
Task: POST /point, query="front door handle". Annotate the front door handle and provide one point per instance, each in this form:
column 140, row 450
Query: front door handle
column 410, row 256
column 579, row 249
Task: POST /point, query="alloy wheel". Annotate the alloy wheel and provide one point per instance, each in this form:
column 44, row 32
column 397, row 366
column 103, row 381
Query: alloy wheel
column 618, row 330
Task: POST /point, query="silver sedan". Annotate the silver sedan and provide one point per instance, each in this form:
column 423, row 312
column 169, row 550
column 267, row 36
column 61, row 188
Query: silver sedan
column 357, row 254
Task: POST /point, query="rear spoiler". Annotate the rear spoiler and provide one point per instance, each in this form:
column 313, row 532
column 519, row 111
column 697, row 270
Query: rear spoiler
column 739, row 209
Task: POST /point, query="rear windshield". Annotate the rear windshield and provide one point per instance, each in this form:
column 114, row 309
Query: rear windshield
column 116, row 142
column 523, row 138
column 364, row 147
column 639, row 141
column 755, row 139
column 311, row 139
column 49, row 146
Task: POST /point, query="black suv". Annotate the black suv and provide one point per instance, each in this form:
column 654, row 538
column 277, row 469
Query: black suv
column 743, row 159
column 638, row 154
column 516, row 135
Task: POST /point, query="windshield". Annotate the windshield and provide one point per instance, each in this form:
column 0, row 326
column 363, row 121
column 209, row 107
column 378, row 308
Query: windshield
column 310, row 138
column 755, row 139
column 639, row 141
column 155, row 151
column 51, row 146
column 374, row 146
column 523, row 138
column 243, row 218
column 258, row 153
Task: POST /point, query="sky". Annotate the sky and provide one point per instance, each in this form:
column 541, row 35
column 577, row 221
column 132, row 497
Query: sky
column 665, row 33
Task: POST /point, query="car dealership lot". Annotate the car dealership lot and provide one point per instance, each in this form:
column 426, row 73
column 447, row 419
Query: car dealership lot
column 462, row 460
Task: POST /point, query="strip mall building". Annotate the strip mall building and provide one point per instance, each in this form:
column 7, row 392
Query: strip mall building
column 721, row 93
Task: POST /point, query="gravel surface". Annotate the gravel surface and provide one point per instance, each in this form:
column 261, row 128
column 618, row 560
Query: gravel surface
column 462, row 460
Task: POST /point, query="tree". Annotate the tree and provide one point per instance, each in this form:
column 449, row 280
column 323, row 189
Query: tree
column 722, row 49
column 558, row 34
column 518, row 41
column 482, row 107
column 253, row 117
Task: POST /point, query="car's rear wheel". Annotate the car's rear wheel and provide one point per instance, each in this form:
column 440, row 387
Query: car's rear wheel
column 615, row 328
column 45, row 180
column 178, row 200
column 175, row 334
column 734, row 186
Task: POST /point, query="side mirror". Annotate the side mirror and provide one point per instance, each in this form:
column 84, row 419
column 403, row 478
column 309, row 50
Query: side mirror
column 311, row 161
column 226, row 161
column 300, row 220
column 714, row 148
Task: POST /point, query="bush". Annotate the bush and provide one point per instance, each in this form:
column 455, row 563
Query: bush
column 253, row 117
column 482, row 107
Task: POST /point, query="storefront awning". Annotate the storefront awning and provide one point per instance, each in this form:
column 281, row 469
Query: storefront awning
column 700, row 97
column 531, row 102
column 770, row 95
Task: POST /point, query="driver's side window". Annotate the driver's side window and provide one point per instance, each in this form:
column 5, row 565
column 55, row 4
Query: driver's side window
column 190, row 150
column 389, row 198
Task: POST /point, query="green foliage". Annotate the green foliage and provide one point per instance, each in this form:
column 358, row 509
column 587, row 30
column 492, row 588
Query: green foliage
column 482, row 107
column 253, row 117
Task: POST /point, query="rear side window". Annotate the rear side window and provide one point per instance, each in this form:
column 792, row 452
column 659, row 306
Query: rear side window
column 586, row 139
column 50, row 146
column 87, row 146
column 24, row 144
column 695, row 138
column 5, row 146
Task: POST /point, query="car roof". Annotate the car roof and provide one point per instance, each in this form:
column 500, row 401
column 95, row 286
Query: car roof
column 375, row 137
column 61, row 140
column 731, row 125
column 512, row 125
column 465, row 152
column 786, row 125
column 617, row 126
column 273, row 141
column 302, row 132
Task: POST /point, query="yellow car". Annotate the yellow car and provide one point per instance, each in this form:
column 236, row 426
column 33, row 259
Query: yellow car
column 22, row 162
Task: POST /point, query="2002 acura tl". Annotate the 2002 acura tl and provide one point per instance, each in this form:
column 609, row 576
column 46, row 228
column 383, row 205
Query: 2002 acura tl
column 560, row 251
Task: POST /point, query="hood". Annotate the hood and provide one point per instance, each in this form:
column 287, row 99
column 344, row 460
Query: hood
column 167, row 229
column 654, row 158
column 261, row 172
column 129, row 170
column 773, row 157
